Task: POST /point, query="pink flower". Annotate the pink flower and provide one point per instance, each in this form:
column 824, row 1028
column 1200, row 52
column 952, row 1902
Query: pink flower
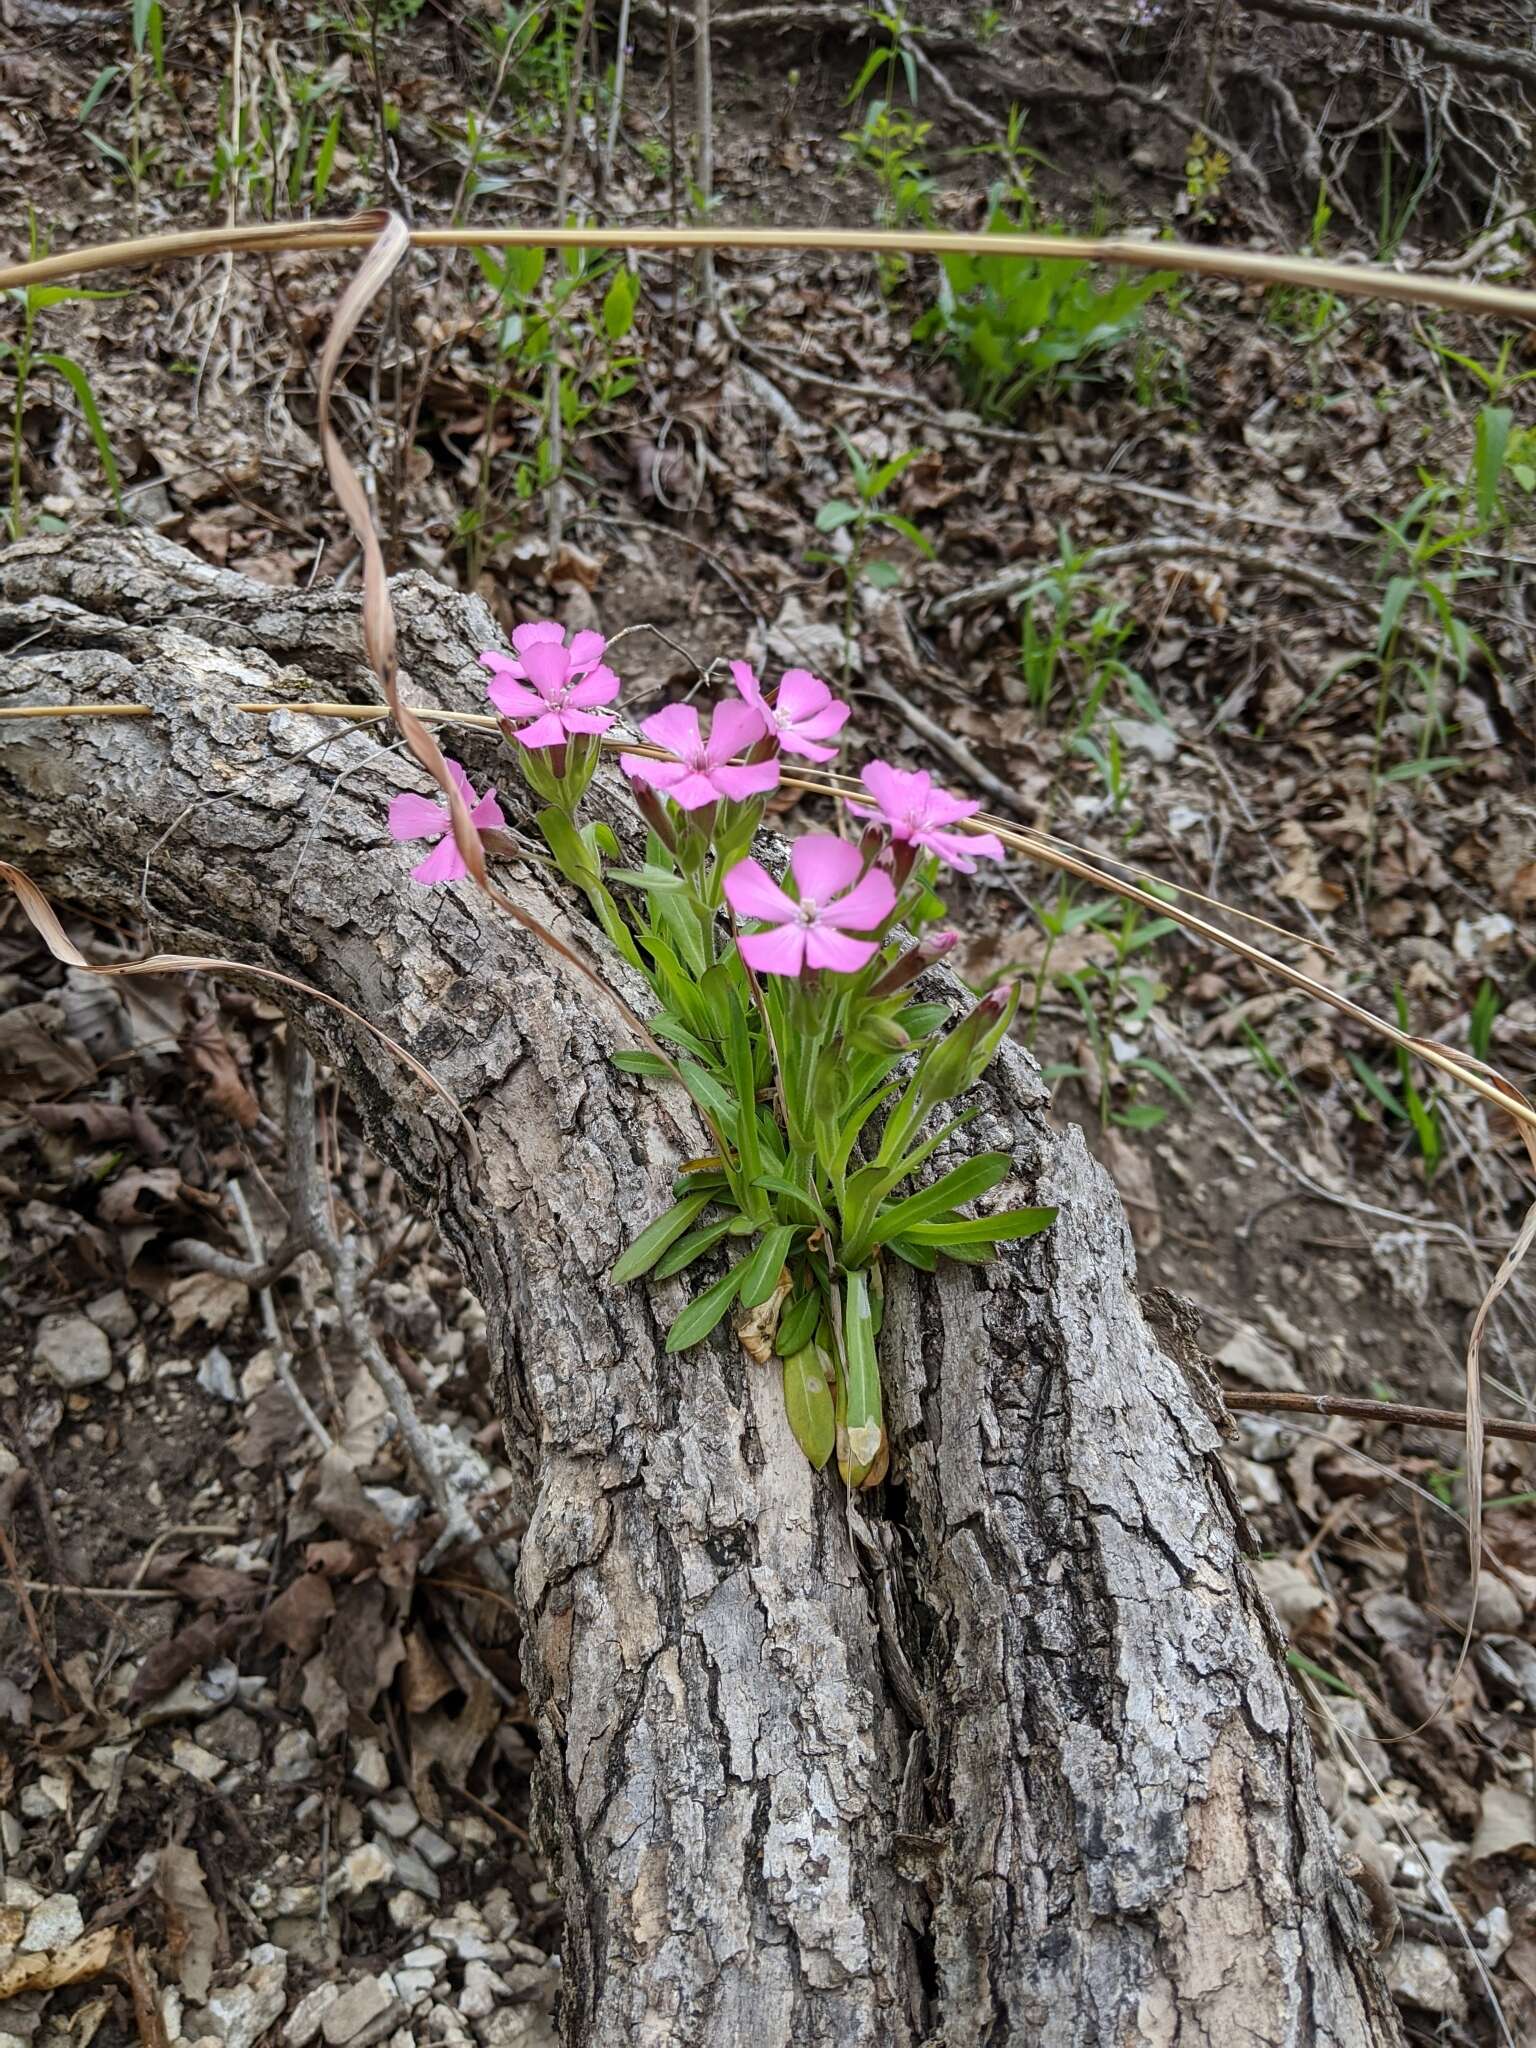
column 833, row 900
column 417, row 817
column 802, row 711
column 914, row 812
column 701, row 771
column 567, row 683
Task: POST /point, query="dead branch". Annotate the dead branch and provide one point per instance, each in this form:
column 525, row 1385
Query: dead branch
column 1405, row 28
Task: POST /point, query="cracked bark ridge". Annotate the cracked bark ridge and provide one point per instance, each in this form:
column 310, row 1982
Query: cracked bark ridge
column 1004, row 1754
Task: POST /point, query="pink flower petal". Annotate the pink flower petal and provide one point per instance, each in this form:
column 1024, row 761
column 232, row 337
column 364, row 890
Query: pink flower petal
column 822, row 724
column 824, row 865
column 962, row 849
column 600, row 686
column 548, row 731
column 675, row 727
column 514, row 699
column 548, row 666
column 585, row 651
column 695, row 790
column 659, row 774
column 444, row 863
column 534, row 631
column 487, row 815
column 752, row 892
column 827, row 948
column 800, row 696
column 781, row 951
column 943, row 808
column 867, row 904
column 500, row 664
column 460, row 780
column 585, row 721
column 890, row 788
column 792, row 743
column 734, row 727
column 744, row 676
column 416, row 817
column 742, row 780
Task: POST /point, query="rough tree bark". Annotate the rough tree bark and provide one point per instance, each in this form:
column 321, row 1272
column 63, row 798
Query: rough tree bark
column 1004, row 1754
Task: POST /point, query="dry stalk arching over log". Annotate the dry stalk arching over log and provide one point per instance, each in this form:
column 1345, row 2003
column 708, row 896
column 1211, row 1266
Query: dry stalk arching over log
column 1005, row 1753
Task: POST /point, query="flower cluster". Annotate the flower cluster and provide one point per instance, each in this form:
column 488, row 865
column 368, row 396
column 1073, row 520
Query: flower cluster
column 786, row 1004
column 550, row 694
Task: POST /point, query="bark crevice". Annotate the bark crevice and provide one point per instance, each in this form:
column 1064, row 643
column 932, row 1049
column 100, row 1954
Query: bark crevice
column 1005, row 1755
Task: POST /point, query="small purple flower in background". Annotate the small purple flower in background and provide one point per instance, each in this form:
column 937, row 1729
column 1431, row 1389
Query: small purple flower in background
column 802, row 711
column 567, row 683
column 702, row 771
column 417, row 817
column 833, row 900
column 915, row 813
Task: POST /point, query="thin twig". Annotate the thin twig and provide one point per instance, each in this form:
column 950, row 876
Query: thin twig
column 1400, row 1414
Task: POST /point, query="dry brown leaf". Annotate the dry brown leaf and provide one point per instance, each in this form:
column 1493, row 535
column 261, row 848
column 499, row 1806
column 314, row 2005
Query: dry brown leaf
column 206, row 1298
column 142, row 1195
column 424, row 1678
column 298, row 1617
column 82, row 1959
column 191, row 1924
column 209, row 1055
column 1507, row 1826
column 1302, row 880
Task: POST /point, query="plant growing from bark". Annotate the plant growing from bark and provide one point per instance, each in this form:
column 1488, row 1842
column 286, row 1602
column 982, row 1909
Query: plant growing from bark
column 786, row 1005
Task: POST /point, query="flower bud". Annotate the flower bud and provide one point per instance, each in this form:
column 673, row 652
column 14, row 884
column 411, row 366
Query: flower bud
column 914, row 961
column 654, row 812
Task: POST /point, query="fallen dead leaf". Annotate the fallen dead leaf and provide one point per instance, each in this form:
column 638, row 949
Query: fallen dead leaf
column 81, row 1960
column 191, row 1924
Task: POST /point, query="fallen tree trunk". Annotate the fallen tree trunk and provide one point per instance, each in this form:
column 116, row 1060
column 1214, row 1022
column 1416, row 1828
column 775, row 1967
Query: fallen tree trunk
column 1004, row 1753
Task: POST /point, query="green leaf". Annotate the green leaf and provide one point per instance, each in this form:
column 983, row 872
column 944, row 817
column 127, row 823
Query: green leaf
column 619, row 304
column 650, row 1064
column 962, row 1183
column 835, row 513
column 693, row 1246
column 981, row 1230
column 1398, row 592
column 912, row 1253
column 767, row 1263
column 705, row 1310
column 880, row 574
column 79, row 383
column 779, row 1184
column 808, row 1403
column 862, row 1418
column 325, row 163
column 798, row 1321
column 656, row 1238
column 1493, row 427
column 99, row 85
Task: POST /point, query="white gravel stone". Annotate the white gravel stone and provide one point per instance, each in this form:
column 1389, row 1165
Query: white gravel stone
column 304, row 2020
column 370, row 1766
column 53, row 1924
column 358, row 2012
column 216, row 1376
column 244, row 2011
column 395, row 1816
column 413, row 1873
column 114, row 1314
column 408, row 1911
column 430, row 1845
column 428, row 1957
column 365, row 1866
column 71, row 1351
column 483, row 1991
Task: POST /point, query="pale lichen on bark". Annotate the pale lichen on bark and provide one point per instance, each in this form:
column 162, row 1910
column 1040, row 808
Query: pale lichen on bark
column 1106, row 1829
